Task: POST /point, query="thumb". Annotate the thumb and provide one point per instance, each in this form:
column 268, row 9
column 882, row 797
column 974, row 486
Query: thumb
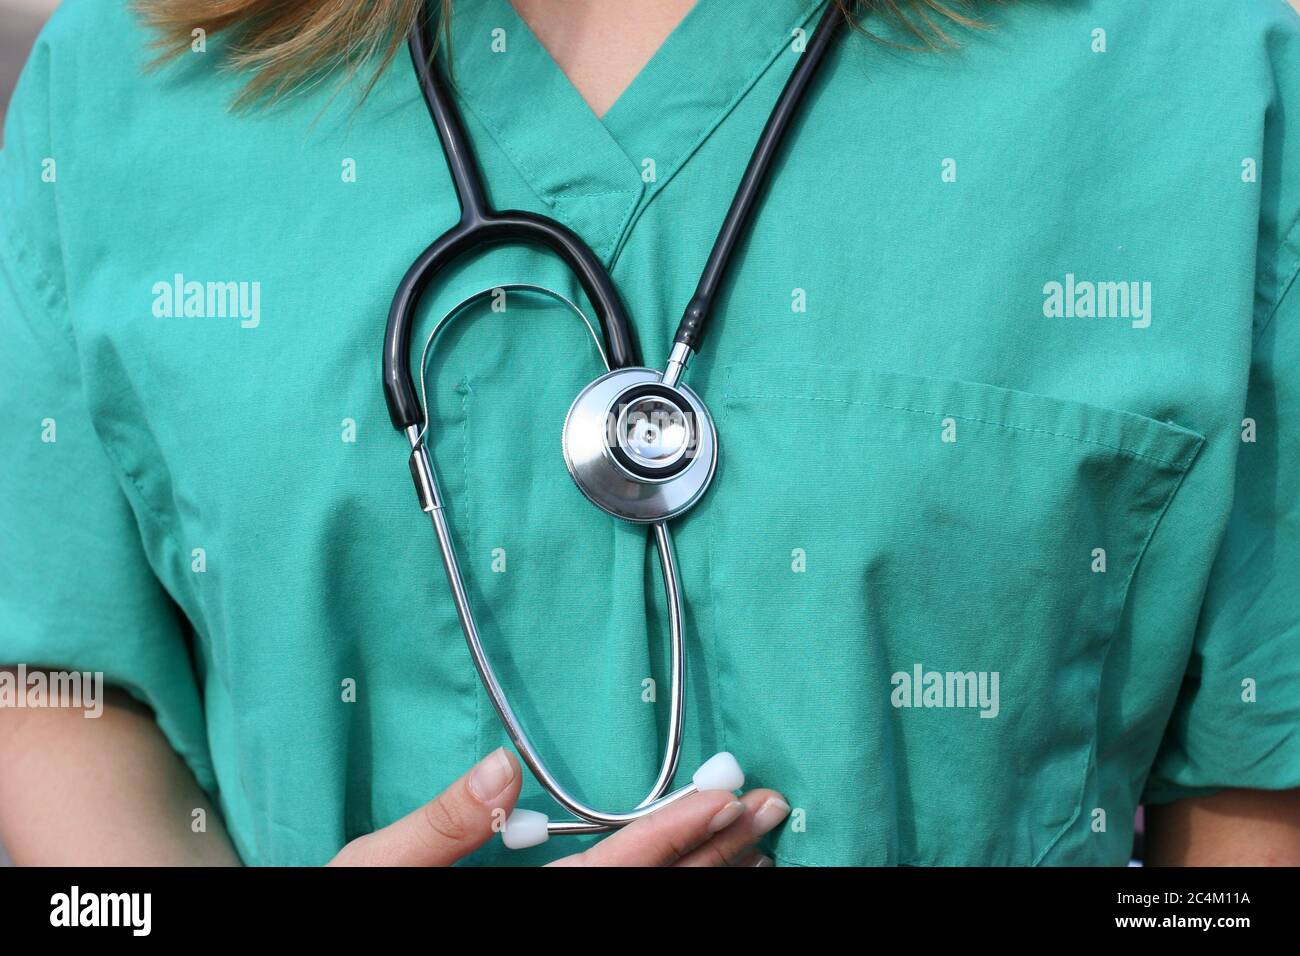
column 452, row 825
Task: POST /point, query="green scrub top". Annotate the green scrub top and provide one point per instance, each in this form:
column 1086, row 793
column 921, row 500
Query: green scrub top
column 1005, row 534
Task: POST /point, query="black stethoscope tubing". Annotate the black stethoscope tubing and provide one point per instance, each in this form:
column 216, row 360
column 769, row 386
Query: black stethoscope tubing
column 480, row 225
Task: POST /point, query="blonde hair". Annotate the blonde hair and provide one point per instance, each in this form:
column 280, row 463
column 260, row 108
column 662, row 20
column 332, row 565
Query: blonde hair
column 286, row 46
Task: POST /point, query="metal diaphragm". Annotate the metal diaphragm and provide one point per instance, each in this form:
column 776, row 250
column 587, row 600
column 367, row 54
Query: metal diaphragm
column 638, row 449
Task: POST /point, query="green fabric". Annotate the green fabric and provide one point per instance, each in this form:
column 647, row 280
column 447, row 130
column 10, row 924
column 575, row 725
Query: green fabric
column 919, row 462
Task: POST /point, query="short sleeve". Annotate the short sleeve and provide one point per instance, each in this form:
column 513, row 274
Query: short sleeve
column 1237, row 719
column 76, row 590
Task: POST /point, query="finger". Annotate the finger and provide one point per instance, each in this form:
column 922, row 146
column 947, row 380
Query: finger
column 664, row 836
column 764, row 811
column 752, row 858
column 455, row 823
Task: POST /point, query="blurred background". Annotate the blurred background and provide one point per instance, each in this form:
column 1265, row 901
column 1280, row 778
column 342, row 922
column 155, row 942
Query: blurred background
column 20, row 21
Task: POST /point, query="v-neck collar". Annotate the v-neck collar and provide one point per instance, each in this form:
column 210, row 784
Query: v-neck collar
column 699, row 73
column 592, row 173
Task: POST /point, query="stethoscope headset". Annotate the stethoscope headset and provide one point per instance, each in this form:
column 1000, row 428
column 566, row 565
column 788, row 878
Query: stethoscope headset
column 639, row 444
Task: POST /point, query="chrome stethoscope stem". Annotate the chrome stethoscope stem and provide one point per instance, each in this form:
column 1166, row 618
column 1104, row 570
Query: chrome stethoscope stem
column 591, row 820
column 678, row 359
column 431, row 501
column 677, row 705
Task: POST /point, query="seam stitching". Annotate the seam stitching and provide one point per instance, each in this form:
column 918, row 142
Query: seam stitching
column 1101, row 665
column 44, row 285
column 708, row 128
column 1182, row 464
column 528, row 171
column 1292, row 238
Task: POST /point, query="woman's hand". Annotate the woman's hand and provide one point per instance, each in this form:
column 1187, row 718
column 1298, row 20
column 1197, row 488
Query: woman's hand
column 705, row 829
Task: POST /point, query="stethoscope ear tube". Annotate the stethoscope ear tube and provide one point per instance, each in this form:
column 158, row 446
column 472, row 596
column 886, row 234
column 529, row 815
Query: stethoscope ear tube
column 479, row 227
column 589, row 820
column 690, row 331
column 524, row 827
column 470, row 236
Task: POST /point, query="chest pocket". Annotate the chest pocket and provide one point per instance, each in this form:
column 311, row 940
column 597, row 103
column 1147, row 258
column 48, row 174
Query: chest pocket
column 915, row 584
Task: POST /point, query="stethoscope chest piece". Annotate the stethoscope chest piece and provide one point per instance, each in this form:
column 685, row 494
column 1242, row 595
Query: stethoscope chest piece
column 638, row 449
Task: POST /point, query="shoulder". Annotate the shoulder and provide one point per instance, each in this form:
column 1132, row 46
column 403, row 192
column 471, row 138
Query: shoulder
column 94, row 56
column 1205, row 19
column 1245, row 14
column 85, row 39
column 1215, row 27
column 85, row 63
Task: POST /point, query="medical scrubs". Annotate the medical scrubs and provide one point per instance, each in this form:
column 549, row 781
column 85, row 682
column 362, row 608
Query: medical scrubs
column 1004, row 538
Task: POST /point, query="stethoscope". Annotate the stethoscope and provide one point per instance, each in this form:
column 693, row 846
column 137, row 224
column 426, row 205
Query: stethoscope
column 639, row 444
